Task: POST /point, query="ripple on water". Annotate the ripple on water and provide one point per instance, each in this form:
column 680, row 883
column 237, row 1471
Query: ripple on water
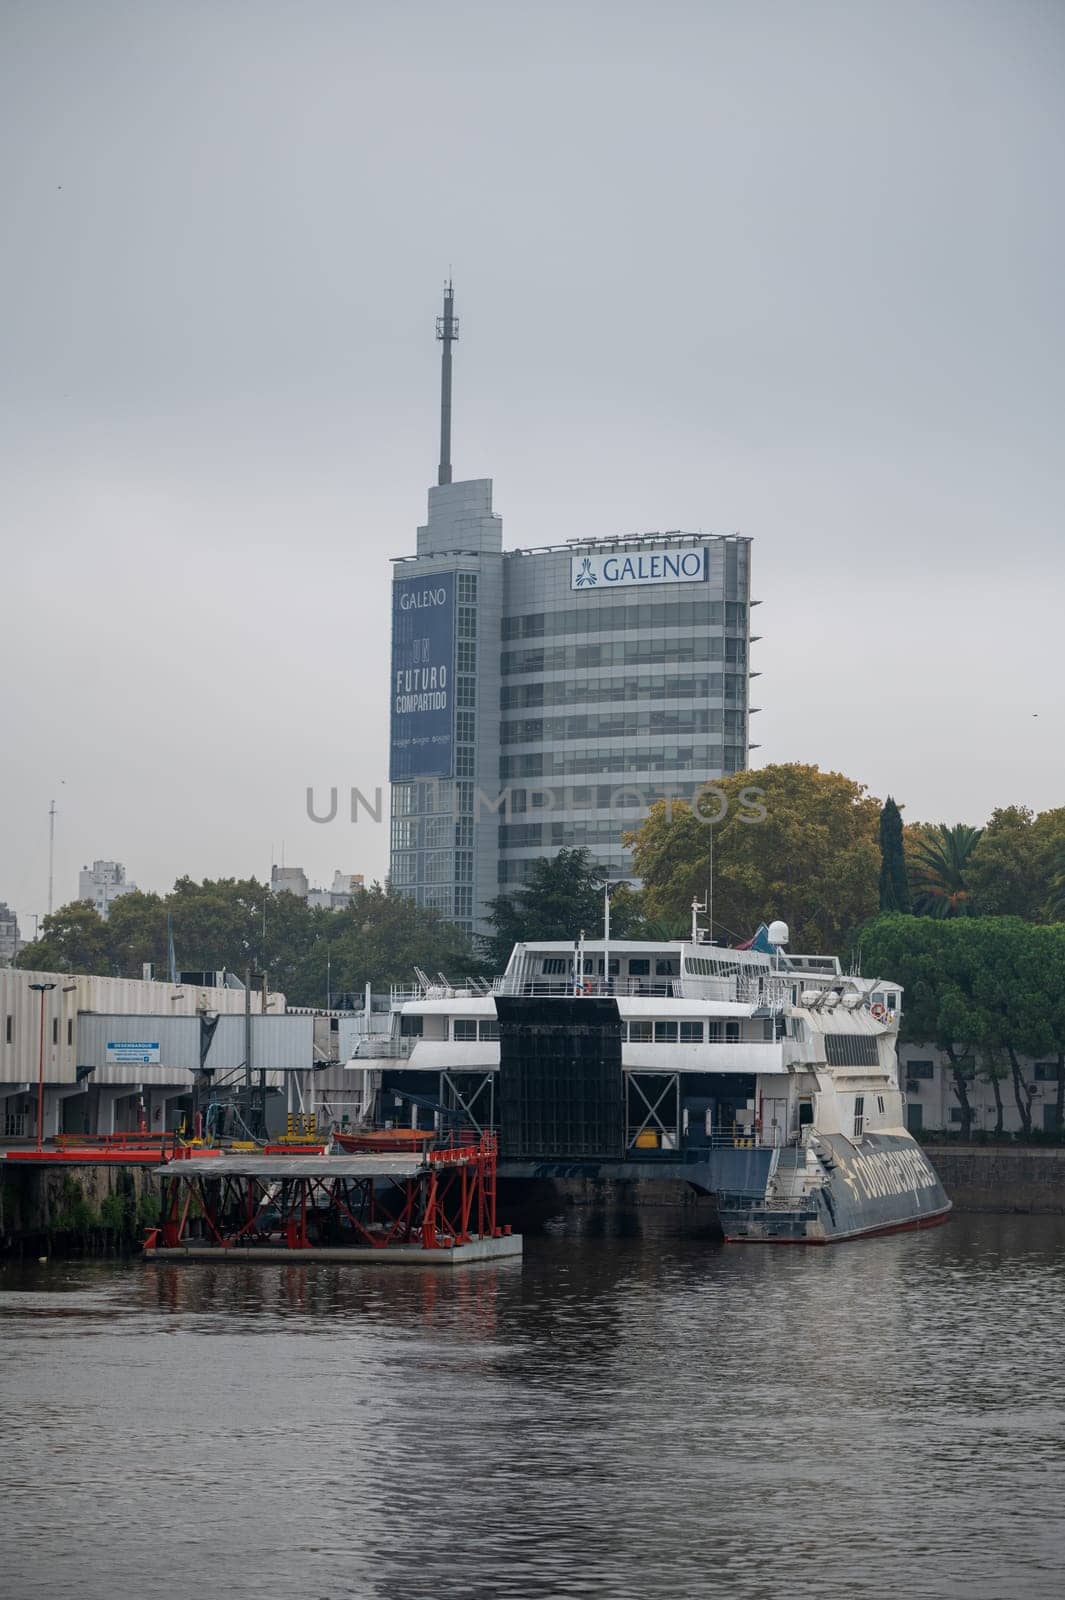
column 617, row 1418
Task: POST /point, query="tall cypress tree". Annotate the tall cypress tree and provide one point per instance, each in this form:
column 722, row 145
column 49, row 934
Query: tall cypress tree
column 894, row 884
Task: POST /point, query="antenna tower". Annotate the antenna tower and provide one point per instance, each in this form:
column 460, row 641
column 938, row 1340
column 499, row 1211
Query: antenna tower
column 447, row 331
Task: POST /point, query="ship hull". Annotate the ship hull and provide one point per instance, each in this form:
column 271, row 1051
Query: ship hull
column 881, row 1184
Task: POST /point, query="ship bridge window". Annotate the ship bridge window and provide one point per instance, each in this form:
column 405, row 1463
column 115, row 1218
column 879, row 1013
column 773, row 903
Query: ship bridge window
column 665, row 1033
column 639, row 967
column 666, row 967
column 691, row 1033
column 732, row 1033
column 464, row 1029
column 410, row 1027
column 487, row 1030
column 639, row 1033
column 615, row 967
column 555, row 965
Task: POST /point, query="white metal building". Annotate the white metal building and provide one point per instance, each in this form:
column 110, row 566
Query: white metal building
column 96, row 1084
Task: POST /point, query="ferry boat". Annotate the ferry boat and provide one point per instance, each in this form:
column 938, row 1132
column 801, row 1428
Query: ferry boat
column 765, row 1080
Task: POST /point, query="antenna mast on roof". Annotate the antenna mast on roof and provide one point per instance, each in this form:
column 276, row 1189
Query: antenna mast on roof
column 447, row 331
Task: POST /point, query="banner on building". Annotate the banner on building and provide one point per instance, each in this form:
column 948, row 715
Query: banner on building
column 622, row 568
column 423, row 650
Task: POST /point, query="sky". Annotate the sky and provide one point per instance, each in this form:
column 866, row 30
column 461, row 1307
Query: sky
column 789, row 270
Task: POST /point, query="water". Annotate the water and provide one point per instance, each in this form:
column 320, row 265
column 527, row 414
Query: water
column 612, row 1419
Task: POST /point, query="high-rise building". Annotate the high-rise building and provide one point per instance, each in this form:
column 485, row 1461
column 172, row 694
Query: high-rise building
column 103, row 883
column 10, row 943
column 544, row 698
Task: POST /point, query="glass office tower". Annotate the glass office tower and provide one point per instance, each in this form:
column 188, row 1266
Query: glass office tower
column 546, row 698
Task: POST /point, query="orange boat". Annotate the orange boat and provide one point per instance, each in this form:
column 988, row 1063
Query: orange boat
column 386, row 1139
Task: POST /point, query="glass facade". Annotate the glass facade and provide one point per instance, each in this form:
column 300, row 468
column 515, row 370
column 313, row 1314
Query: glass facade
column 574, row 708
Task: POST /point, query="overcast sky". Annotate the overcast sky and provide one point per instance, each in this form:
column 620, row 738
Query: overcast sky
column 793, row 270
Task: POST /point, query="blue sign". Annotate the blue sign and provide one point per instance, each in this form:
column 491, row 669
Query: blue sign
column 423, row 658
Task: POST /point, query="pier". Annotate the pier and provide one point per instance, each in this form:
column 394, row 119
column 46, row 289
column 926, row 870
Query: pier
column 435, row 1206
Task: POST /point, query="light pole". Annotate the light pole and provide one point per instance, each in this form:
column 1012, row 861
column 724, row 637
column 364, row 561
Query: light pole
column 42, row 990
column 608, row 884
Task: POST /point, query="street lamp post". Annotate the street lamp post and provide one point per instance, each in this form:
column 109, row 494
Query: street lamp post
column 608, row 884
column 41, row 989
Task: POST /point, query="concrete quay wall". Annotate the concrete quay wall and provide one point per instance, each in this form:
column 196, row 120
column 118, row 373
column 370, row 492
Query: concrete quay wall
column 71, row 1209
column 1002, row 1178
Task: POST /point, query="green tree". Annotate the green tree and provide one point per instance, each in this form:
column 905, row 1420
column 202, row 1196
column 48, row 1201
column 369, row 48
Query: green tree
column 913, row 952
column 1014, row 866
column 894, row 883
column 73, row 939
column 1055, row 898
column 564, row 894
column 136, row 930
column 940, row 865
column 985, row 988
column 788, row 841
column 232, row 924
column 379, row 939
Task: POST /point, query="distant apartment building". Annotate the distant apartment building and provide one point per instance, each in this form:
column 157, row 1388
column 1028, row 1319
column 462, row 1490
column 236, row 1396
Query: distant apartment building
column 293, row 880
column 344, row 886
column 289, row 880
column 102, row 884
column 10, row 943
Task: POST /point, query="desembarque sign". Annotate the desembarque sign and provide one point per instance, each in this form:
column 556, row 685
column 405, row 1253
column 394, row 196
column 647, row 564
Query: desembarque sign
column 623, row 568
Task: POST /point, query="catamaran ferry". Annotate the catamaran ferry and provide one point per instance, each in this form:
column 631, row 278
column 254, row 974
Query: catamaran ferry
column 765, row 1080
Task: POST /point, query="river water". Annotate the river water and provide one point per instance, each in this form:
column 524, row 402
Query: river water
column 614, row 1418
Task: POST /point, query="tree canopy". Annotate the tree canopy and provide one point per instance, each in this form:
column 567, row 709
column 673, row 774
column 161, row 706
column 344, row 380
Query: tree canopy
column 788, row 841
column 941, row 860
column 237, row 923
column 564, row 894
column 990, row 986
column 1015, row 867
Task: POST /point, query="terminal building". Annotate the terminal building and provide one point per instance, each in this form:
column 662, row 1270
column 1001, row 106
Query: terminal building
column 545, row 698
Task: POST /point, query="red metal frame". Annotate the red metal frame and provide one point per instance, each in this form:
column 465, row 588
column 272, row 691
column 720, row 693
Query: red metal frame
column 450, row 1201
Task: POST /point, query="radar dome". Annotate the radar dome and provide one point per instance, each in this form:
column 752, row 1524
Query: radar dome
column 778, row 933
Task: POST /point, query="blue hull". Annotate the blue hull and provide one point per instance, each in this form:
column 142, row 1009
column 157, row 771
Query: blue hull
column 884, row 1183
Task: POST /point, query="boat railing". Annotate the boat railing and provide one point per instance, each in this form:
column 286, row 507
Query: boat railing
column 382, row 1048
column 592, row 987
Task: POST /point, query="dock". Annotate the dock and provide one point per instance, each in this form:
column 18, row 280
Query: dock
column 434, row 1206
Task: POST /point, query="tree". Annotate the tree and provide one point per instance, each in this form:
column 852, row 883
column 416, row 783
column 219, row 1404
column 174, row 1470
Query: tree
column 1014, row 865
column 913, row 952
column 894, row 883
column 976, row 986
column 137, row 933
column 564, row 894
column 72, row 939
column 941, row 860
column 233, row 924
column 378, row 939
column 788, row 841
column 1055, row 895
